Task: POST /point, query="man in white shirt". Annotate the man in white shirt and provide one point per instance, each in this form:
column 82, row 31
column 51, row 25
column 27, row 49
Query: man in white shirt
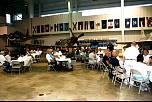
column 51, row 59
column 100, row 51
column 2, row 59
column 142, row 68
column 92, row 58
column 130, row 57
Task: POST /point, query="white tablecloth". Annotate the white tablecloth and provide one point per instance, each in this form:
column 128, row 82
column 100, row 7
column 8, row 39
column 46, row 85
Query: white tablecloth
column 26, row 59
column 34, row 54
column 141, row 67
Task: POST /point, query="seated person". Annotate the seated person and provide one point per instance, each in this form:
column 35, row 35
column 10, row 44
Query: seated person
column 92, row 58
column 50, row 58
column 146, row 56
column 61, row 57
column 106, row 61
column 100, row 52
column 150, row 61
column 6, row 61
column 113, row 59
column 141, row 67
column 106, row 58
column 71, row 54
column 38, row 51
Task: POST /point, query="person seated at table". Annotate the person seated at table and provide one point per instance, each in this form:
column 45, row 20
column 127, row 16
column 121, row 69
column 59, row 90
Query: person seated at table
column 50, row 58
column 38, row 51
column 100, row 52
column 71, row 54
column 106, row 58
column 63, row 58
column 146, row 56
column 141, row 67
column 7, row 62
column 83, row 55
column 150, row 61
column 26, row 59
column 106, row 61
column 114, row 62
column 113, row 59
column 28, row 52
column 92, row 58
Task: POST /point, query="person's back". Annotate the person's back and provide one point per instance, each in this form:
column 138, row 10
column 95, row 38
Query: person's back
column 8, row 58
column 2, row 59
column 132, row 52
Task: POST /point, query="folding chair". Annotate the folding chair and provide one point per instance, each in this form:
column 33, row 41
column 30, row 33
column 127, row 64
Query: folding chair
column 37, row 58
column 120, row 74
column 17, row 66
column 105, row 69
column 136, row 76
column 50, row 66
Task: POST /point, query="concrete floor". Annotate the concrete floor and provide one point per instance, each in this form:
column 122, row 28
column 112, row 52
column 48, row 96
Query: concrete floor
column 80, row 84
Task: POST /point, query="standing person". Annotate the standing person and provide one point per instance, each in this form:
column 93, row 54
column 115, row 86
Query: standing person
column 130, row 57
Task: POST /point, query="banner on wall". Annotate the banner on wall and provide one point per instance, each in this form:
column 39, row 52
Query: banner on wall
column 89, row 25
column 80, row 25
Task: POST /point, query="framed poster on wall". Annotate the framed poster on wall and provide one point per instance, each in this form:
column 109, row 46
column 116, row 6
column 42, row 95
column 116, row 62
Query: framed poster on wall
column 110, row 23
column 134, row 22
column 149, row 21
column 116, row 23
column 91, row 24
column 127, row 23
column 104, row 24
column 142, row 22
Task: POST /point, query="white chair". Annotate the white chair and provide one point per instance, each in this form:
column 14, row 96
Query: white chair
column 136, row 76
column 50, row 66
column 105, row 69
column 17, row 66
column 120, row 73
column 37, row 58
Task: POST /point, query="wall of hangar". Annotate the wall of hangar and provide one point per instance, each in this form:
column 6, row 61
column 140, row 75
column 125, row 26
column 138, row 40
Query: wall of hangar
column 95, row 27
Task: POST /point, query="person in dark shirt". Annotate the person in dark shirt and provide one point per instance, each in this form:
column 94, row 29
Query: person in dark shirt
column 113, row 59
column 113, row 62
column 106, row 61
column 106, row 58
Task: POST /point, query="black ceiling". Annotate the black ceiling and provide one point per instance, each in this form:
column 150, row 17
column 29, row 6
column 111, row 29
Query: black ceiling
column 55, row 6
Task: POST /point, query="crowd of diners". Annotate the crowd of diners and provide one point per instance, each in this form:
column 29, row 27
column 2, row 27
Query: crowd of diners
column 132, row 58
column 26, row 56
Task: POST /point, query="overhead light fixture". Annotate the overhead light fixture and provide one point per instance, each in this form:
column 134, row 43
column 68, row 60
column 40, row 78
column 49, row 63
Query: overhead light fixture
column 105, row 11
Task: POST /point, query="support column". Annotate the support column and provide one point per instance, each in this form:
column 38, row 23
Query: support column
column 122, row 24
column 122, row 20
column 70, row 15
column 31, row 8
